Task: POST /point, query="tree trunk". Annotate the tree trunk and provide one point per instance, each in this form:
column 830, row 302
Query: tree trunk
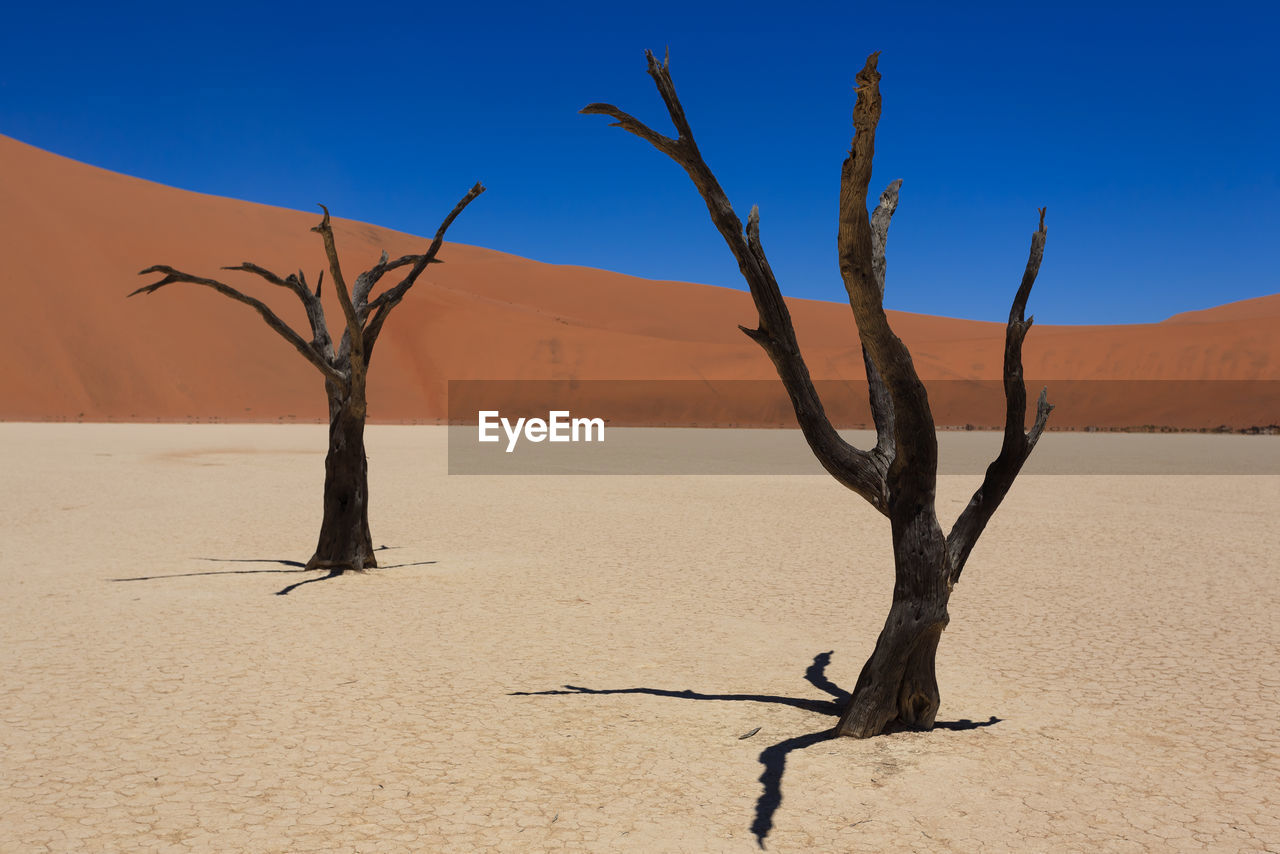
column 897, row 684
column 345, row 542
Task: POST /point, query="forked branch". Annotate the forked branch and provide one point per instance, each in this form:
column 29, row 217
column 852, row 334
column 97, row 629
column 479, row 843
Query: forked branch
column 310, row 302
column 419, row 262
column 915, row 453
column 309, row 352
column 353, row 340
column 862, row 471
column 389, row 299
column 1017, row 445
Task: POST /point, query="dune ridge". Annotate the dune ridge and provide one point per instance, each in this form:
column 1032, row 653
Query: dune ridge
column 76, row 235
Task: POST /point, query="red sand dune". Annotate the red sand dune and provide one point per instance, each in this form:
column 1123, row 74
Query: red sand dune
column 75, row 237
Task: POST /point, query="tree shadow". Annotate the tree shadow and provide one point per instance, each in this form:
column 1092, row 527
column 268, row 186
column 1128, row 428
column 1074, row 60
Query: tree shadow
column 296, row 566
column 774, row 760
column 816, row 675
column 825, row 707
column 773, row 757
column 290, row 566
column 333, row 573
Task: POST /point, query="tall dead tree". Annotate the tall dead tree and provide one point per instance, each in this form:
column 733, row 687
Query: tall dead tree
column 899, row 475
column 345, row 542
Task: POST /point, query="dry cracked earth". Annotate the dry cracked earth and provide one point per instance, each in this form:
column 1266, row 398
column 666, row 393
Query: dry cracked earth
column 571, row 663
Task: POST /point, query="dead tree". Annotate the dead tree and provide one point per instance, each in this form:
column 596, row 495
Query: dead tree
column 345, row 542
column 899, row 475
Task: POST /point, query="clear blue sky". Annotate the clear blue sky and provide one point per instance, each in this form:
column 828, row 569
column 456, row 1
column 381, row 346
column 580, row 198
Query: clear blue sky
column 1149, row 130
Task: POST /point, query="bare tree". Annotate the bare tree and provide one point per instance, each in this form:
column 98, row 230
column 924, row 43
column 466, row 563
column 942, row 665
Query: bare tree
column 899, row 475
column 345, row 542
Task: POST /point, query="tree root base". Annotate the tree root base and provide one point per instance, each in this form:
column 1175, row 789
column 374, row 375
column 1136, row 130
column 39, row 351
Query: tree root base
column 901, row 697
column 339, row 567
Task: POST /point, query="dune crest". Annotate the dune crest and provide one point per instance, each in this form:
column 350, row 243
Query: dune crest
column 77, row 235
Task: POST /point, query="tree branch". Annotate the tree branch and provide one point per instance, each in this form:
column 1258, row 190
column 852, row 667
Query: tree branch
column 250, row 267
column 862, row 471
column 283, row 329
column 353, row 340
column 1017, row 445
column 369, row 279
column 915, row 458
column 881, row 401
column 631, row 124
column 310, row 303
column 365, row 282
column 388, row 300
column 420, row 262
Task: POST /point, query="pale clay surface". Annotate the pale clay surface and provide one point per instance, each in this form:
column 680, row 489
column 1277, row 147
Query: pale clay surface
column 1121, row 629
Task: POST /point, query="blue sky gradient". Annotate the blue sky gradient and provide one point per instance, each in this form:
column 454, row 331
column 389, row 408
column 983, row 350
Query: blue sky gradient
column 1149, row 130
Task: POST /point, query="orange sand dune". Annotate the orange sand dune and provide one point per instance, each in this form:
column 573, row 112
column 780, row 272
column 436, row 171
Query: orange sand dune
column 1245, row 309
column 75, row 237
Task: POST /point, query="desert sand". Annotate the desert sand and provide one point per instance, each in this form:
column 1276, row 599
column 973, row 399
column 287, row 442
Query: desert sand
column 75, row 237
column 1109, row 677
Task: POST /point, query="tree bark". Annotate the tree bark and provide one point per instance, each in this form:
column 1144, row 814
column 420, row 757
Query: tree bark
column 897, row 684
column 345, row 542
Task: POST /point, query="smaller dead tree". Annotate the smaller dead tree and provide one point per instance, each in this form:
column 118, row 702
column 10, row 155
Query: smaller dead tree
column 899, row 475
column 344, row 542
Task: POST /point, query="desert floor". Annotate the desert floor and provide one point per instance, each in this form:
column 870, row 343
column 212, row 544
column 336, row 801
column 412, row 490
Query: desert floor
column 1109, row 678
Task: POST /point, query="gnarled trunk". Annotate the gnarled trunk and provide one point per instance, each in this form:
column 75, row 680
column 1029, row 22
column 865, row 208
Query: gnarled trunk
column 345, row 542
column 898, row 684
column 898, row 476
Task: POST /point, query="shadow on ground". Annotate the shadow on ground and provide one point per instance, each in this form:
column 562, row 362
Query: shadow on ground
column 289, row 566
column 773, row 757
